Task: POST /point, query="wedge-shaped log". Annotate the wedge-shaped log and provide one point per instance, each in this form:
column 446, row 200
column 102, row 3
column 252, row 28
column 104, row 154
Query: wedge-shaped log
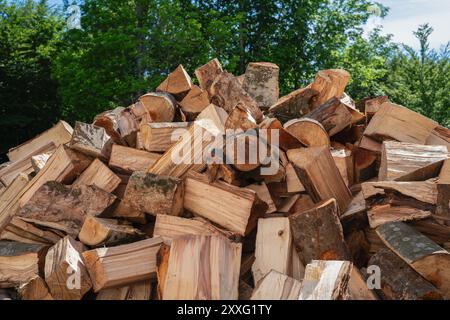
column 399, row 281
column 261, row 83
column 343, row 159
column 39, row 161
column 160, row 106
column 207, row 73
column 22, row 231
column 427, row 258
column 65, row 271
column 308, row 131
column 159, row 137
column 236, row 209
column 20, row 262
column 216, row 116
column 139, row 291
column 63, row 208
column 111, row 121
column 263, row 193
column 177, row 83
column 127, row 160
column 194, row 102
column 196, row 269
column 293, row 105
column 318, row 233
column 107, row 268
column 329, row 83
column 155, row 194
column 286, row 140
column 91, row 140
column 9, row 199
column 402, row 158
column 35, row 289
column 99, row 175
column 277, row 286
column 373, row 105
column 399, row 201
column 320, row 176
column 440, row 136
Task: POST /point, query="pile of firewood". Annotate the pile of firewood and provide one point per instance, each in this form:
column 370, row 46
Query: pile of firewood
column 356, row 208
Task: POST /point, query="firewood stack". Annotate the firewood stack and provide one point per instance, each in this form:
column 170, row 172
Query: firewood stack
column 151, row 202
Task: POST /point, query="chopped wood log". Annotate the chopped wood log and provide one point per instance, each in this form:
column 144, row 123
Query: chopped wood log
column 28, row 233
column 261, row 83
column 399, row 201
column 140, row 291
column 293, row 183
column 333, row 115
column 399, row 281
column 236, row 209
column 109, row 120
column 348, row 102
column 358, row 288
column 194, row 102
column 129, row 125
column 196, row 270
column 35, row 289
column 98, row 232
column 161, row 106
column 2, row 188
column 320, row 176
column 427, row 258
column 9, row 199
column 326, row 280
column 293, row 105
column 318, row 234
column 288, row 204
column 443, row 188
column 440, row 136
column 177, row 83
column 124, row 211
column 207, row 73
column 263, row 193
column 60, row 134
column 20, row 262
column 99, row 175
column 65, row 271
column 401, row 158
column 155, row 194
column 302, row 202
column 91, row 140
column 239, row 118
column 38, row 162
column 308, row 131
column 373, row 105
column 159, row 137
column 344, row 162
column 127, row 160
column 226, row 92
column 395, row 122
column 273, row 248
column 365, row 164
column 216, row 115
column 171, row 227
column 64, row 208
column 329, row 83
column 107, row 268
column 286, row 140
column 277, row 286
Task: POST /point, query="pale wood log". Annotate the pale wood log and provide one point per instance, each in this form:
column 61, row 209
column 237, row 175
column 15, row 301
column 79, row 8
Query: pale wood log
column 35, row 289
column 64, row 208
column 216, row 115
column 60, row 134
column 344, row 162
column 263, row 193
column 160, row 106
column 99, row 175
column 39, row 161
column 129, row 125
column 261, row 83
column 293, row 183
column 194, row 102
column 399, row 281
column 236, row 209
column 358, row 288
column 196, row 270
column 9, row 199
column 128, row 160
column 293, row 105
column 317, row 233
column 401, row 158
column 140, row 291
column 124, row 211
column 207, row 73
column 91, row 140
column 427, row 258
column 29, row 233
column 109, row 120
column 320, row 176
column 107, row 268
column 159, row 137
column 277, row 286
column 329, row 83
column 155, row 194
column 177, row 82
column 308, row 131
column 239, row 118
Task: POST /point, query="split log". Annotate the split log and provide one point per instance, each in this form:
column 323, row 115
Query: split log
column 236, row 209
column 127, row 160
column 28, row 233
column 273, row 248
column 65, row 271
column 302, row 202
column 155, row 194
column 109, row 120
column 239, row 118
column 216, row 116
column 263, row 193
column 293, row 183
column 329, row 83
column 394, row 122
column 286, row 140
column 161, row 106
column 399, row 281
column 318, row 233
column 91, row 140
column 326, row 280
column 402, row 158
column 399, row 201
column 440, row 136
column 320, row 176
column 207, row 73
column 373, row 105
column 427, row 258
column 124, row 211
column 159, row 137
column 365, row 164
column 99, row 175
column 107, row 268
column 20, row 262
column 97, row 232
column 129, row 125
column 194, row 102
column 60, row 134
column 261, row 83
column 358, row 288
column 63, row 208
column 370, row 144
column 277, row 286
column 344, row 162
column 309, row 132
column 226, row 92
column 39, row 161
column 348, row 102
column 196, row 270
column 9, row 199
column 293, row 105
column 443, row 188
column 177, row 83
column 35, row 289
column 140, row 291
